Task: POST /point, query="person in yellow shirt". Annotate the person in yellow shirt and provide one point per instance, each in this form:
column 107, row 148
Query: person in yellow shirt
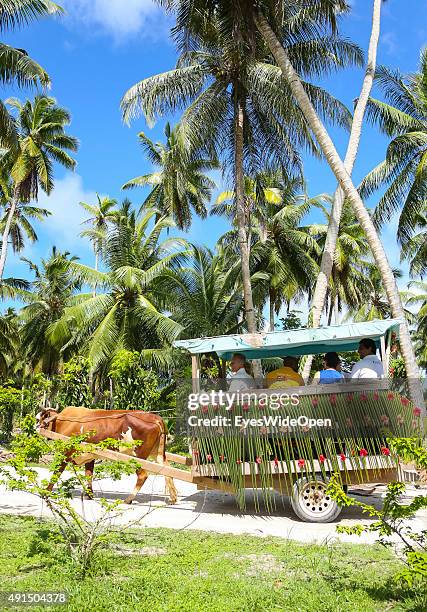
column 287, row 376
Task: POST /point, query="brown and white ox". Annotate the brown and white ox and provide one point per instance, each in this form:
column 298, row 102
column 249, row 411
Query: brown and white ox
column 126, row 425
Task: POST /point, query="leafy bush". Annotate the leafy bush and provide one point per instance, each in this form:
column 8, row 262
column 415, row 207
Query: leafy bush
column 74, row 383
column 13, row 402
column 134, row 388
column 391, row 519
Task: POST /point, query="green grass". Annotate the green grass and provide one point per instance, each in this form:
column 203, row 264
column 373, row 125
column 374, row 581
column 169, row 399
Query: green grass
column 196, row 571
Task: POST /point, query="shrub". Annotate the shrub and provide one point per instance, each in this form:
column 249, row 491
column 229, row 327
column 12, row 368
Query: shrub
column 134, row 388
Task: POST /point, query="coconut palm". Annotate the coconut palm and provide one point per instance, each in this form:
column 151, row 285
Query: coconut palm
column 281, row 248
column 328, row 256
column 45, row 302
column 42, row 140
column 404, row 118
column 241, row 107
column 418, row 298
column 414, row 248
column 373, row 303
column 204, row 294
column 9, row 340
column 267, row 18
column 21, row 226
column 16, row 67
column 102, row 213
column 125, row 314
column 179, row 184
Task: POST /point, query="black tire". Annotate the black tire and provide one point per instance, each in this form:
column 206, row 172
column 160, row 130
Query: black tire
column 310, row 502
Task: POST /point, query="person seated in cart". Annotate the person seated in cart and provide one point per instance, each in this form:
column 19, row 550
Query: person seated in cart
column 332, row 370
column 370, row 365
column 240, row 378
column 286, row 376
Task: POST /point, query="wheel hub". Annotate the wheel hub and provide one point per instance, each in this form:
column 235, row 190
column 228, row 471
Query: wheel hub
column 314, row 498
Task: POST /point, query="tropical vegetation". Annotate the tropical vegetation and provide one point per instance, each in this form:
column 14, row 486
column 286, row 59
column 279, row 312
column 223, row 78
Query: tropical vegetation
column 248, row 107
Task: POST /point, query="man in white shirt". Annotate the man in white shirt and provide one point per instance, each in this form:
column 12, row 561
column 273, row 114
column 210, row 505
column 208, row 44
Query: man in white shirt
column 369, row 365
column 240, row 379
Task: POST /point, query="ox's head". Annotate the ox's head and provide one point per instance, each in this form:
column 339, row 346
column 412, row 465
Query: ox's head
column 45, row 418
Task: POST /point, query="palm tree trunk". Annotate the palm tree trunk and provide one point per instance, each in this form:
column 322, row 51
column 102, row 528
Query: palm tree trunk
column 335, row 218
column 241, row 212
column 351, row 193
column 241, row 221
column 271, row 305
column 6, row 231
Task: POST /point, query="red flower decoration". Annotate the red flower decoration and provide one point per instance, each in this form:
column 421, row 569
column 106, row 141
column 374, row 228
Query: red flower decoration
column 239, row 461
column 385, row 451
column 209, row 458
column 343, row 457
column 350, row 397
column 417, row 412
column 205, row 409
column 315, row 401
column 390, row 396
column 363, row 452
column 322, row 458
column 376, row 396
column 222, row 457
column 333, row 399
column 245, row 406
column 261, row 403
column 363, row 397
column 301, row 463
column 258, row 460
column 384, row 419
column 404, row 401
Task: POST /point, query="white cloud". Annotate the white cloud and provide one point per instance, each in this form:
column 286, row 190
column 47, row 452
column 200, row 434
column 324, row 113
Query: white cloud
column 389, row 41
column 119, row 18
column 63, row 227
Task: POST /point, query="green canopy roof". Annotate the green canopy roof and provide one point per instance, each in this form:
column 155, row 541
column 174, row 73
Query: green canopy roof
column 295, row 342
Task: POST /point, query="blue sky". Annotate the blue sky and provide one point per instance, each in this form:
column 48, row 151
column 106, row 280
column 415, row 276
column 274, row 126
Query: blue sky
column 102, row 47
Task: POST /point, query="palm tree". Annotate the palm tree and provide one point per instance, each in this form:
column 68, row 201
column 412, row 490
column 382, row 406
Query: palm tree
column 9, row 340
column 241, row 107
column 281, row 249
column 102, row 214
column 415, row 247
column 204, row 294
column 41, row 140
column 420, row 335
column 267, row 18
column 50, row 292
column 125, row 314
column 179, row 185
column 373, row 303
column 328, row 257
column 22, row 221
column 16, row 67
column 403, row 172
column 347, row 282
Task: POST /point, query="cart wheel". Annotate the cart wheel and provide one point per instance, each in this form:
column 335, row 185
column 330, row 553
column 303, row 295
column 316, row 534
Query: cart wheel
column 310, row 502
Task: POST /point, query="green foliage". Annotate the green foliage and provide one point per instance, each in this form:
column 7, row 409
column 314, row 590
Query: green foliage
column 292, row 320
column 134, row 387
column 397, row 368
column 74, row 383
column 391, row 519
column 13, row 402
column 80, row 538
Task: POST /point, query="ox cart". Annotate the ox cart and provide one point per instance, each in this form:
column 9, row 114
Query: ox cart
column 280, row 454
